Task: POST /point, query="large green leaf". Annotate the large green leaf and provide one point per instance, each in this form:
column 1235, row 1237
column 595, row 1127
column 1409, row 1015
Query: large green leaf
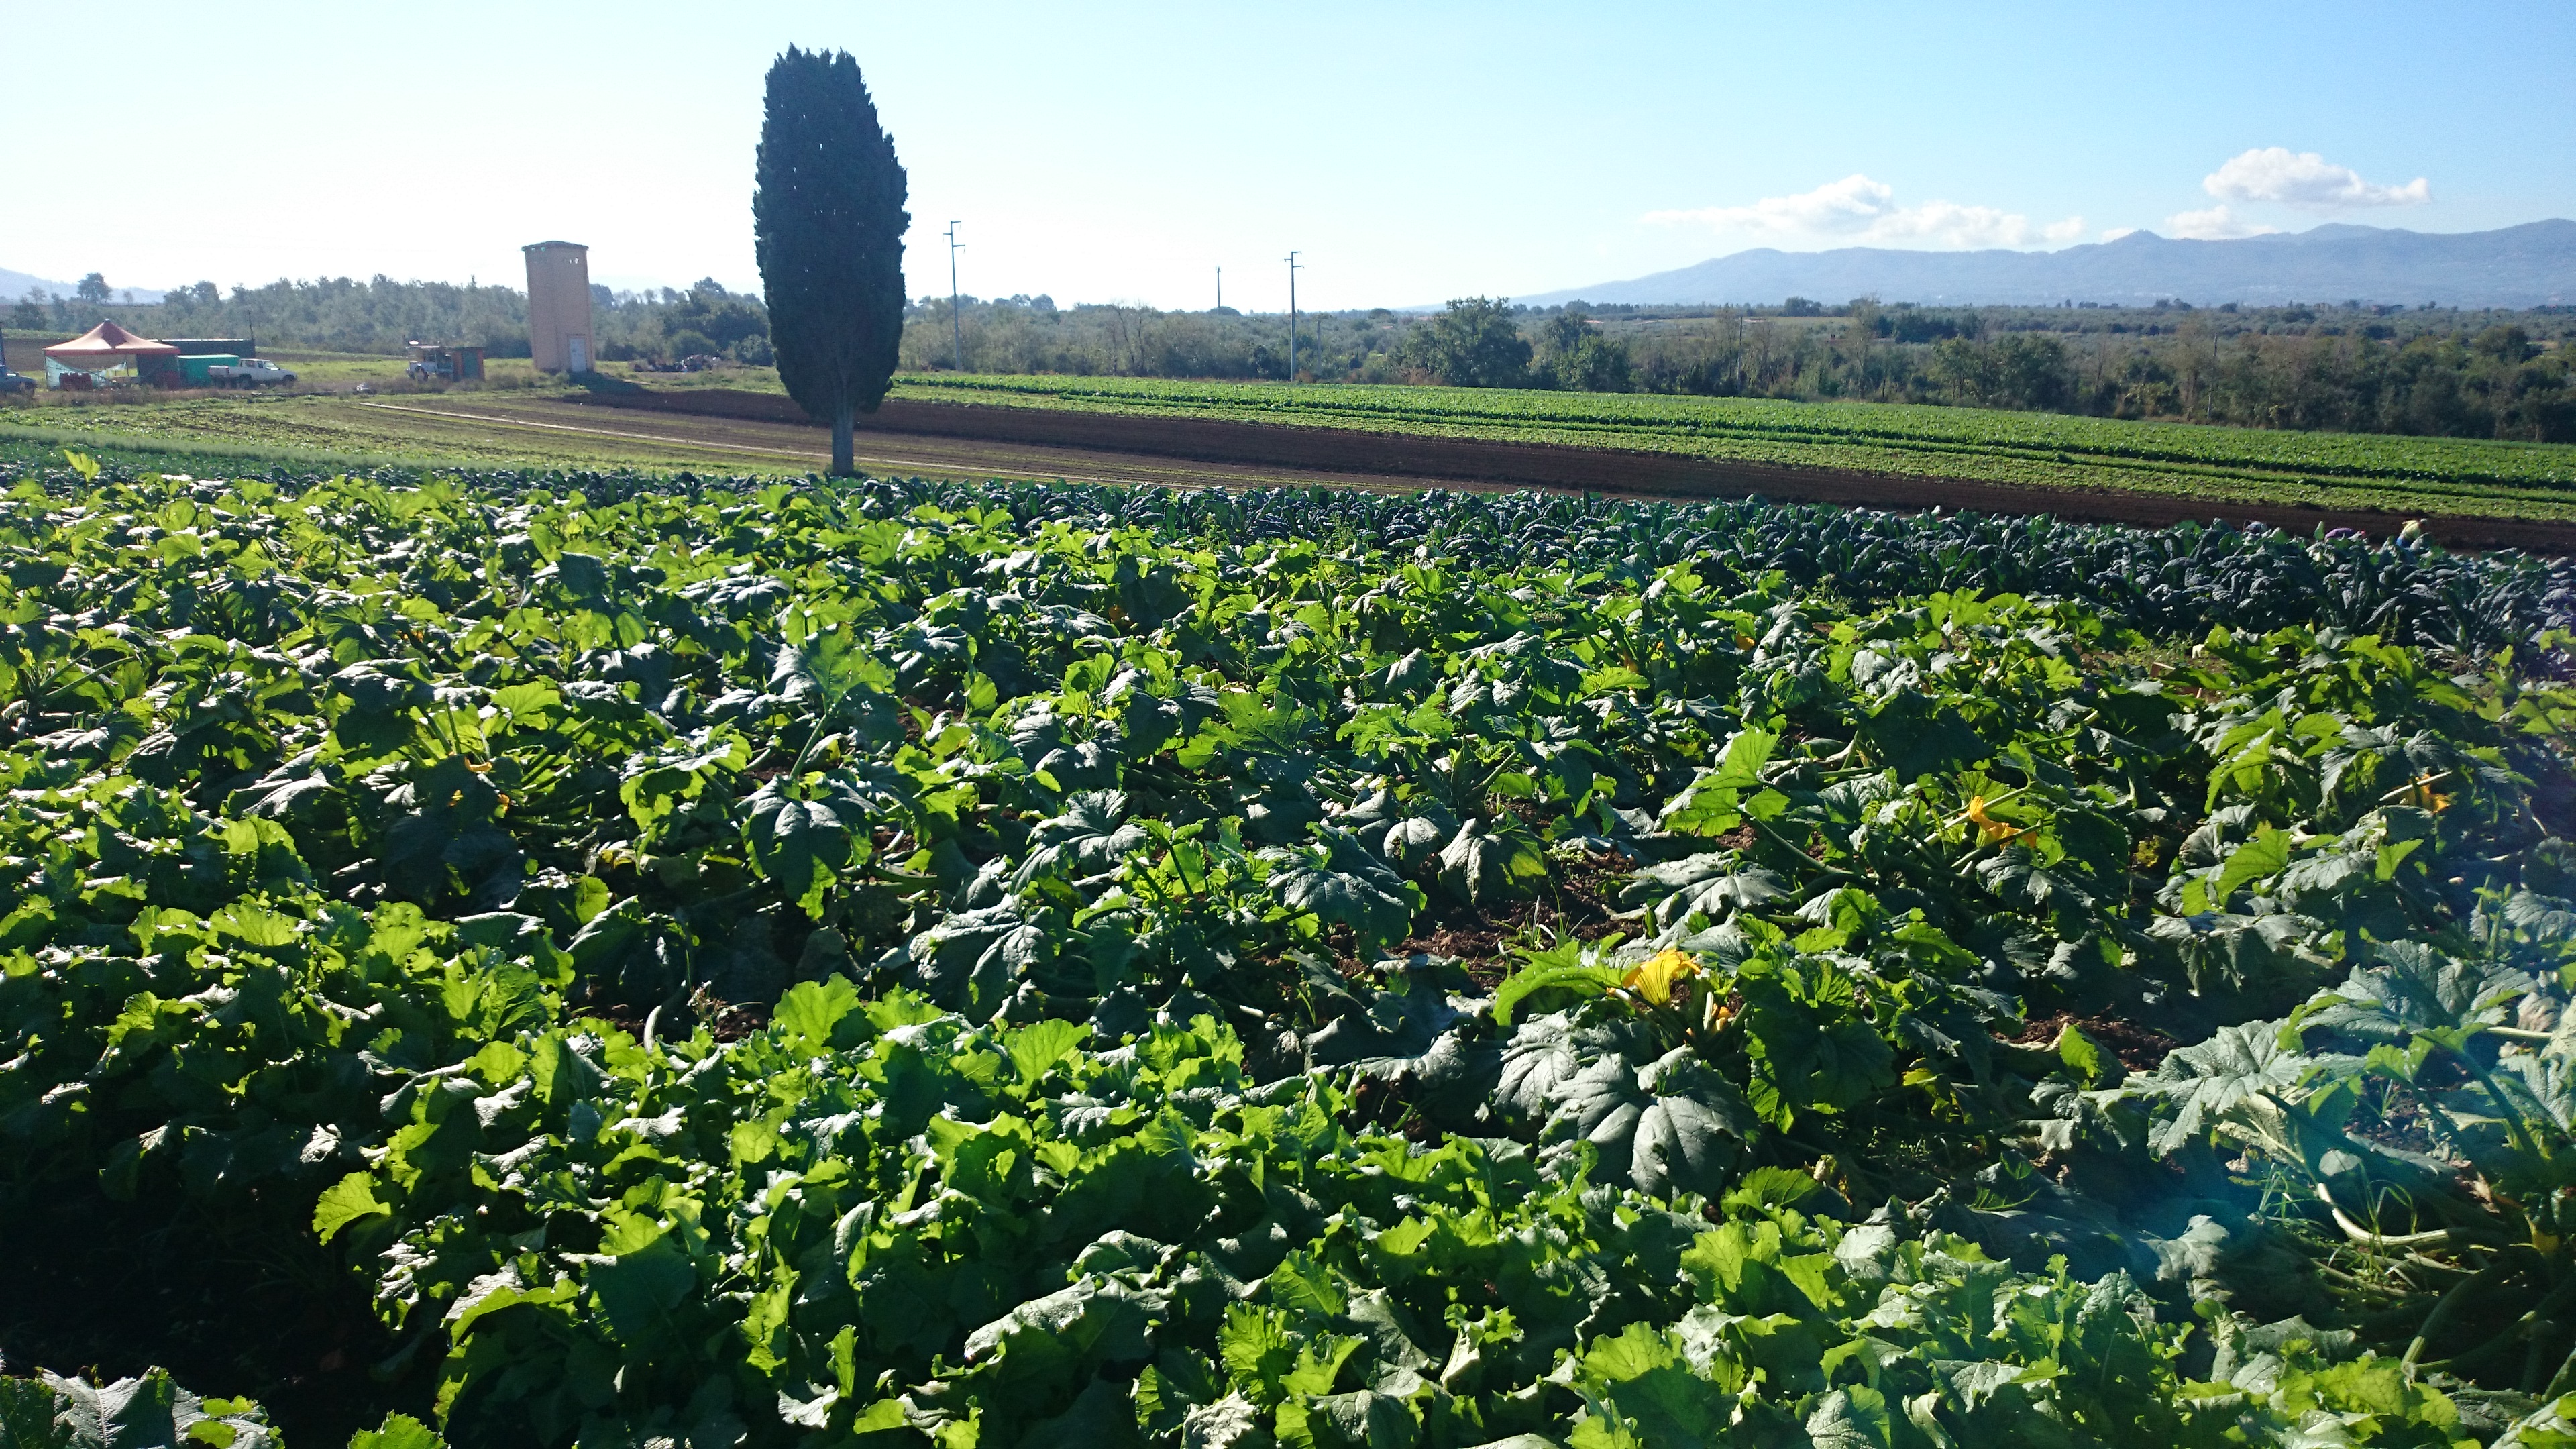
column 842, row 680
column 1712, row 803
column 2201, row 1085
column 1490, row 861
column 1340, row 883
column 1689, row 1135
column 1713, row 883
column 802, row 846
column 1090, row 836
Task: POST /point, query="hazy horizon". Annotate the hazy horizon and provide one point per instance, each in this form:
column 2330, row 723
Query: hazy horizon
column 14, row 283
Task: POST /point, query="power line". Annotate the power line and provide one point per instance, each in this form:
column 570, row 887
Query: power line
column 1293, row 264
column 956, row 329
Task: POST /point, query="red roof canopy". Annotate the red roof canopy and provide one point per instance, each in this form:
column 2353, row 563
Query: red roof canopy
column 108, row 340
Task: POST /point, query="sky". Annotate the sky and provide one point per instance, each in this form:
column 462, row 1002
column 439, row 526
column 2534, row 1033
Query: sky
column 1409, row 152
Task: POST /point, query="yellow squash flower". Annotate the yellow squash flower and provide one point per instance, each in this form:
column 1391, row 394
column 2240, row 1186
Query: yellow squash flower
column 1655, row 977
column 1991, row 828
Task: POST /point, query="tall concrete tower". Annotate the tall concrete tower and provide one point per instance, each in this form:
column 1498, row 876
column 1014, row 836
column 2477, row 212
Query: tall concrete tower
column 559, row 335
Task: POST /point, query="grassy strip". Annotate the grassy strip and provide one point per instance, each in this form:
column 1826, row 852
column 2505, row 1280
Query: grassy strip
column 193, row 455
column 331, row 432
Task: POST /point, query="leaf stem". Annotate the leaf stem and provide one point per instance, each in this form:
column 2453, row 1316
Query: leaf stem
column 2513, row 1120
column 2560, row 1378
column 2369, row 1239
column 2536, row 1313
column 796, row 772
column 1763, row 827
column 2442, row 1311
column 903, row 877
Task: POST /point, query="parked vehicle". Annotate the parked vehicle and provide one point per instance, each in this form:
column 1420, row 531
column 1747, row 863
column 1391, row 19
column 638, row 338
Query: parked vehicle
column 434, row 363
column 248, row 372
column 15, row 381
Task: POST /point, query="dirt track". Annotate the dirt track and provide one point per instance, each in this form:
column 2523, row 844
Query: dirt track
column 929, row 437
column 885, row 451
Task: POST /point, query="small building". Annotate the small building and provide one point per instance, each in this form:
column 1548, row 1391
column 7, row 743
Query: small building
column 102, row 357
column 196, row 354
column 559, row 335
column 193, row 369
column 438, row 362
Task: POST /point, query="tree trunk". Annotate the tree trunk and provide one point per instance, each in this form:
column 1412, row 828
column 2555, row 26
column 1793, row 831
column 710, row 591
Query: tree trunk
column 841, row 416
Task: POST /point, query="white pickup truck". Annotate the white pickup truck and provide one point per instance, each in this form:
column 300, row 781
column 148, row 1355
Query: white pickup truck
column 249, row 372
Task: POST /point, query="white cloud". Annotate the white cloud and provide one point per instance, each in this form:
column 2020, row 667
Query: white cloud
column 1838, row 208
column 2305, row 180
column 2215, row 224
column 1857, row 209
column 1948, row 224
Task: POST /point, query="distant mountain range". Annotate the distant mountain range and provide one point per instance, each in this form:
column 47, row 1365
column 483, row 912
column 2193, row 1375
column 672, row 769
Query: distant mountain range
column 2520, row 266
column 14, row 285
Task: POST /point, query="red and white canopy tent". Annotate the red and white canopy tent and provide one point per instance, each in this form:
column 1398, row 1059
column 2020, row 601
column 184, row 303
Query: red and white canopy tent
column 99, row 351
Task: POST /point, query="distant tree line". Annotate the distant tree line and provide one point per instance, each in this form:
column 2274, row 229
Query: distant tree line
column 2349, row 368
column 1026, row 334
column 340, row 314
column 2481, row 375
column 1475, row 342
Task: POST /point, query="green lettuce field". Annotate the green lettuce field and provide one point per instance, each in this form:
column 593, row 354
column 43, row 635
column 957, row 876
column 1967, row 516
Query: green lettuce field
column 542, row 959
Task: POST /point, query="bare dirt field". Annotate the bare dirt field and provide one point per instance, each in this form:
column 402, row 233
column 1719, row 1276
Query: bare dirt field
column 879, row 449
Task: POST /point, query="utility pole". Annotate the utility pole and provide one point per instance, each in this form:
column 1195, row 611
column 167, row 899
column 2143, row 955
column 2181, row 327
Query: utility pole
column 956, row 328
column 1220, row 289
column 1292, row 317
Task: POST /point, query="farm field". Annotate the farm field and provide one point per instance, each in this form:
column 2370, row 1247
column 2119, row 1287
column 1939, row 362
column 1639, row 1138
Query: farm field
column 588, row 955
column 2047, row 450
column 398, row 427
column 553, row 432
column 2086, row 458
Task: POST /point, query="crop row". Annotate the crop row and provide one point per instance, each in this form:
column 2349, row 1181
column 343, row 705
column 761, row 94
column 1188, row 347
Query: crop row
column 2168, row 581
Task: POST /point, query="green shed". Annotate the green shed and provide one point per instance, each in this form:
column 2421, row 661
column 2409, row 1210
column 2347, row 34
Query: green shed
column 192, row 367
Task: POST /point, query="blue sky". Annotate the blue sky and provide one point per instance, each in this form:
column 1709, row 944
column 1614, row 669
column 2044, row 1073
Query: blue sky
column 1410, row 151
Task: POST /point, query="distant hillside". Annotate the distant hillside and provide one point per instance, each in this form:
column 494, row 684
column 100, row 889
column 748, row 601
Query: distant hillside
column 14, row 285
column 2520, row 266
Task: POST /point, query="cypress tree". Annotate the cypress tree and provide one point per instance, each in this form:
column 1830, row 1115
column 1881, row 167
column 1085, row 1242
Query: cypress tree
column 828, row 220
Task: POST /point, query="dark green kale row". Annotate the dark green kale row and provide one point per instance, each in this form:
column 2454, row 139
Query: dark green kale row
column 2165, row 581
column 719, row 963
